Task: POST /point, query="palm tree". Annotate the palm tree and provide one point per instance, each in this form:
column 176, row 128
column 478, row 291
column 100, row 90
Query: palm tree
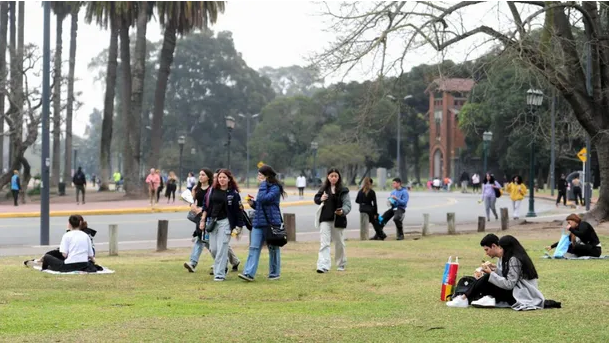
column 179, row 17
column 61, row 10
column 74, row 9
column 108, row 13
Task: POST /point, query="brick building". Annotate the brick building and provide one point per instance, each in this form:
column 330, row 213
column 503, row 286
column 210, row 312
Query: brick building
column 447, row 96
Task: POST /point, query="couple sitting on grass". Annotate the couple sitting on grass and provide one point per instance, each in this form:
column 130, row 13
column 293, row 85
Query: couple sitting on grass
column 75, row 252
column 512, row 282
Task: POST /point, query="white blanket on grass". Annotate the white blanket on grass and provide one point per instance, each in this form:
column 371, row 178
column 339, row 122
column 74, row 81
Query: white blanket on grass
column 103, row 271
column 574, row 257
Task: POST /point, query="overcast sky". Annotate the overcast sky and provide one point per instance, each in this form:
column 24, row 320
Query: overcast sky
column 277, row 33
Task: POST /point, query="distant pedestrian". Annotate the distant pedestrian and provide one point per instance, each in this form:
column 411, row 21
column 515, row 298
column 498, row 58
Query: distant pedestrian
column 332, row 220
column 301, row 184
column 93, row 179
column 476, row 183
column 367, row 199
column 15, row 186
column 161, row 184
column 191, row 181
column 577, row 190
column 170, row 186
column 152, row 180
column 562, row 187
column 436, row 184
column 80, row 183
column 490, row 187
column 517, row 191
column 464, row 179
column 118, row 180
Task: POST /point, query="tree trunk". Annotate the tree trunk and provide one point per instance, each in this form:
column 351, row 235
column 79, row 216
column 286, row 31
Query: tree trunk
column 600, row 212
column 133, row 184
column 106, row 141
column 12, row 20
column 70, row 105
column 165, row 61
column 25, row 180
column 128, row 124
column 55, row 162
column 3, row 42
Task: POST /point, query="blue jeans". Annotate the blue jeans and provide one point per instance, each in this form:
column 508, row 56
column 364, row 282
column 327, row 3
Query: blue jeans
column 198, row 247
column 256, row 243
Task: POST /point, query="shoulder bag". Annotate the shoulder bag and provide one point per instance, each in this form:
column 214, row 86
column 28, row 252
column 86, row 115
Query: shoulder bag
column 275, row 234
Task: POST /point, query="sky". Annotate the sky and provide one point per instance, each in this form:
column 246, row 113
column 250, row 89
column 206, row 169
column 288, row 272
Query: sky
column 267, row 33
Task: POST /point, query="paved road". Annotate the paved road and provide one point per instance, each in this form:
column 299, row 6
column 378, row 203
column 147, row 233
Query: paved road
column 22, row 232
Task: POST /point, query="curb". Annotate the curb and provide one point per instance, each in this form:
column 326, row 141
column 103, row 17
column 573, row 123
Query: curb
column 120, row 211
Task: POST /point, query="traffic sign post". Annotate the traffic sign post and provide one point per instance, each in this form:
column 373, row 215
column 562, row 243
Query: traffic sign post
column 582, row 155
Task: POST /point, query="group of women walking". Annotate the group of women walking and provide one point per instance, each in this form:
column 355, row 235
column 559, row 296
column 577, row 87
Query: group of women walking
column 220, row 217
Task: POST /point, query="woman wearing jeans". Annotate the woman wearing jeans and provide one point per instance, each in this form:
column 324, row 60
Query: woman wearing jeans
column 490, row 185
column 267, row 212
column 222, row 216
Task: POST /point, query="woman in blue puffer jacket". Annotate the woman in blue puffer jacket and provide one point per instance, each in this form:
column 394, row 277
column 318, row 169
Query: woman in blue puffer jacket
column 267, row 212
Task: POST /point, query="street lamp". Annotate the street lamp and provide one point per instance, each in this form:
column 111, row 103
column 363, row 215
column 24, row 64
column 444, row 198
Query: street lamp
column 248, row 117
column 230, row 121
column 314, row 150
column 406, row 98
column 534, row 100
column 181, row 141
column 75, row 153
column 487, row 136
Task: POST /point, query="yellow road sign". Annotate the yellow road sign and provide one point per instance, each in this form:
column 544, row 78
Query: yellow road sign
column 582, row 155
column 260, row 164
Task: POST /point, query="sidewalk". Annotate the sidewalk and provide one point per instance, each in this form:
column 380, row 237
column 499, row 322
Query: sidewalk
column 113, row 203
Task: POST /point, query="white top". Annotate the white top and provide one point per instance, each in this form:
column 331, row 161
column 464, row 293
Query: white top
column 191, row 181
column 436, row 183
column 475, row 179
column 301, row 181
column 77, row 245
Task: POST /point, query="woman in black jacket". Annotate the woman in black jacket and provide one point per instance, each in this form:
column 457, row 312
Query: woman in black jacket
column 367, row 199
column 584, row 240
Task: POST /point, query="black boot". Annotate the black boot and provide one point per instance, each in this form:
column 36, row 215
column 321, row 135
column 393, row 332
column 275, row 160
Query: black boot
column 374, row 238
column 399, row 234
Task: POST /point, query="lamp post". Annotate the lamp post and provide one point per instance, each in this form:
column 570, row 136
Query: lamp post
column 406, row 98
column 487, row 136
column 75, row 153
column 45, row 161
column 230, row 121
column 534, row 100
column 314, row 151
column 181, row 141
column 248, row 117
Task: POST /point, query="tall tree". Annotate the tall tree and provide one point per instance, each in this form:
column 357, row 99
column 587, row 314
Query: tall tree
column 3, row 74
column 177, row 17
column 61, row 10
column 133, row 88
column 109, row 13
column 74, row 9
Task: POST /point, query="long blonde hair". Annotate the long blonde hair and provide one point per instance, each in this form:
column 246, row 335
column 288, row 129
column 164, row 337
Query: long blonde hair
column 367, row 184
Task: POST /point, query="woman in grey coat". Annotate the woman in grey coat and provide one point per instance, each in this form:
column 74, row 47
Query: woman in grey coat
column 513, row 282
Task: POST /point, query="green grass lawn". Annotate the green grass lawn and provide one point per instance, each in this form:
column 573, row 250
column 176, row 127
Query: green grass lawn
column 389, row 293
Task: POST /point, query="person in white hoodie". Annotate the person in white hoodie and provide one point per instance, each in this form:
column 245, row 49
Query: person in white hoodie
column 301, row 184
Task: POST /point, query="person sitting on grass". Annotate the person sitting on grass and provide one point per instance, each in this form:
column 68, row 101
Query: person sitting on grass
column 514, row 280
column 75, row 250
column 584, row 240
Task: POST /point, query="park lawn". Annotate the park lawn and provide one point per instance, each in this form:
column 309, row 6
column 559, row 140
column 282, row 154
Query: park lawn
column 389, row 293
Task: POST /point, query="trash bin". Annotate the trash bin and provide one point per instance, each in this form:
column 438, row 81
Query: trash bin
column 61, row 188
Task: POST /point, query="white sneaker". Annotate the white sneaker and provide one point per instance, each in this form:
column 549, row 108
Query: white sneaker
column 459, row 301
column 341, row 269
column 485, row 301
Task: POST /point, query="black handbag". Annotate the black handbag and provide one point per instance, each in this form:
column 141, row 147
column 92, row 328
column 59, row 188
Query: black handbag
column 195, row 218
column 247, row 220
column 275, row 235
column 210, row 224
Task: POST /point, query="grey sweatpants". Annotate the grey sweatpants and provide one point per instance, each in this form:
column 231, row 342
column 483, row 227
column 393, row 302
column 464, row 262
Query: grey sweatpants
column 219, row 247
column 490, row 204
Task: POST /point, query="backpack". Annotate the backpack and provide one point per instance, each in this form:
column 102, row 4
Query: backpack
column 463, row 285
